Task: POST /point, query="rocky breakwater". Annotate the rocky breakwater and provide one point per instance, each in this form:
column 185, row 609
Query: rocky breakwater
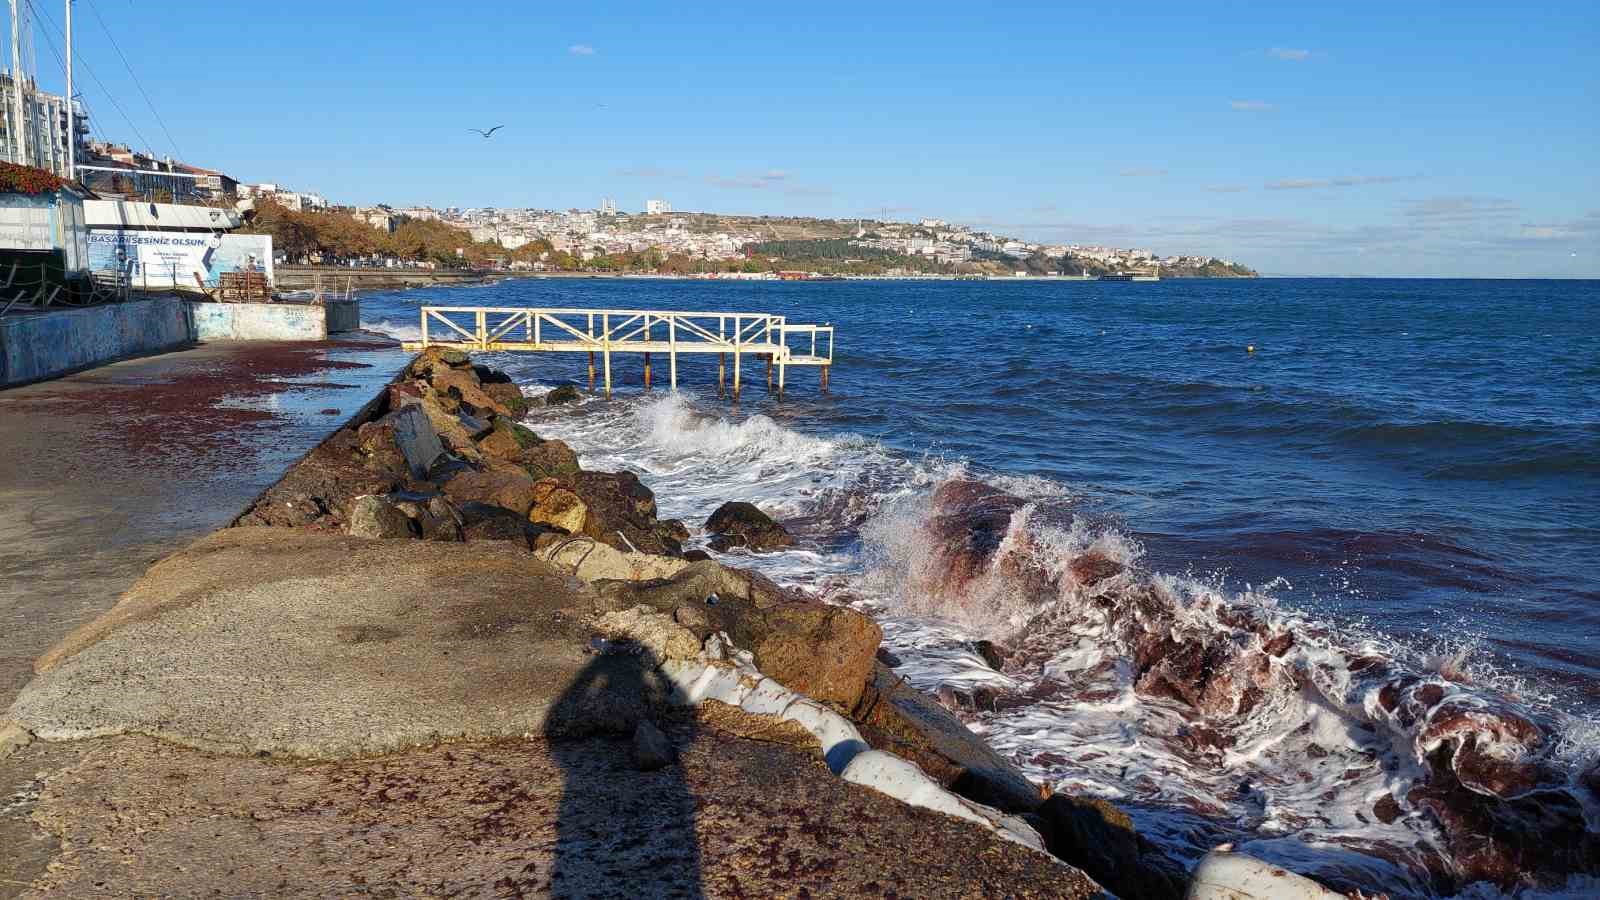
column 439, row 628
column 1482, row 773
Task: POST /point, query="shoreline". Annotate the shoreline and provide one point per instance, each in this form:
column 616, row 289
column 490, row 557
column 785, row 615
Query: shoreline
column 436, row 475
column 295, row 516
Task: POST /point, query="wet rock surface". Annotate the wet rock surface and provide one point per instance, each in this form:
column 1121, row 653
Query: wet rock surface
column 1484, row 774
column 1097, row 837
column 895, row 717
column 739, row 524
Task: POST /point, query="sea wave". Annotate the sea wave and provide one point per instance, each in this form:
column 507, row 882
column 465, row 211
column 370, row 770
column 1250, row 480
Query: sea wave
column 1211, row 714
column 407, row 330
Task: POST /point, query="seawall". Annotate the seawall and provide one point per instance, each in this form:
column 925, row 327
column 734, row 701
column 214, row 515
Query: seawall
column 274, row 321
column 37, row 346
column 335, row 279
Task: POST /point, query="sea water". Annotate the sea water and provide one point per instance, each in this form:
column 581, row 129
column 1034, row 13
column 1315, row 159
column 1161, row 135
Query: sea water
column 1405, row 470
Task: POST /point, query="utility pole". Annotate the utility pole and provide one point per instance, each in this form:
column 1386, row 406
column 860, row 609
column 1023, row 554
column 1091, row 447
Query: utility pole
column 21, row 156
column 72, row 107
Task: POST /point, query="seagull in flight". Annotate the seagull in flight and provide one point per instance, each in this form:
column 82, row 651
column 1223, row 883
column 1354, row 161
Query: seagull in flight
column 486, row 134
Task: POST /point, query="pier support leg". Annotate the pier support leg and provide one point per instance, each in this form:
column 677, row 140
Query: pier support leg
column 591, row 371
column 769, row 373
column 825, row 370
column 736, row 374
column 647, row 370
column 781, row 367
column 722, row 375
column 607, row 355
column 672, row 368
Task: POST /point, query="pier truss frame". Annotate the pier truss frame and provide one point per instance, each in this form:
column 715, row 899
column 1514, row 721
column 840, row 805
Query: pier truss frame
column 602, row 332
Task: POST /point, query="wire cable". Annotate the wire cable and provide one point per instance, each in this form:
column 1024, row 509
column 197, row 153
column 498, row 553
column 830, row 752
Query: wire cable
column 103, row 89
column 136, row 82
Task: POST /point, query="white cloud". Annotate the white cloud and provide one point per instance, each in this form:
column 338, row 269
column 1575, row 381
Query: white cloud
column 1458, row 209
column 1296, row 184
column 1289, row 54
column 1249, row 105
column 771, row 178
column 581, row 50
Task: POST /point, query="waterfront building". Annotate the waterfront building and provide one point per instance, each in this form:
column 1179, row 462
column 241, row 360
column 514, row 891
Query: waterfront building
column 657, row 207
column 45, row 127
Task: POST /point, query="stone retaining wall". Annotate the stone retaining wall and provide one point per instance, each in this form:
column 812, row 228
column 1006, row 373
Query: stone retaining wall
column 37, row 346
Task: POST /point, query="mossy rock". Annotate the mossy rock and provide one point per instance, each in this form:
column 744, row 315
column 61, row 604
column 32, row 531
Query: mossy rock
column 565, row 393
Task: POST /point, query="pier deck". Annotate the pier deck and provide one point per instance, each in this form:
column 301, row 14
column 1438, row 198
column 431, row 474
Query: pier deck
column 602, row 332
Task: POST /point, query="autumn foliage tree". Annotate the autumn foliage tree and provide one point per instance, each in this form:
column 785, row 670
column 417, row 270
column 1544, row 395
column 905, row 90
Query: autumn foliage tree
column 338, row 235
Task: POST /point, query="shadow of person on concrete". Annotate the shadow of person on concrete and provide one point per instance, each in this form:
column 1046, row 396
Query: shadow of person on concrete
column 626, row 823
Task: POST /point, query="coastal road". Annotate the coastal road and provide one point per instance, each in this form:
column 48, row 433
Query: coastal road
column 106, row 471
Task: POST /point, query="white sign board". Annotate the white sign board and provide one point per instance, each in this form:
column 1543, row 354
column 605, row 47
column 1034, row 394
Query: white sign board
column 184, row 259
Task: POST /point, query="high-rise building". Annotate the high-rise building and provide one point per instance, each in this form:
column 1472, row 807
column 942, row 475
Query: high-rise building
column 657, row 207
column 608, row 207
column 45, row 129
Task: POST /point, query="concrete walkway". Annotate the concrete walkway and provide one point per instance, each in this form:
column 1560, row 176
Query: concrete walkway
column 106, row 471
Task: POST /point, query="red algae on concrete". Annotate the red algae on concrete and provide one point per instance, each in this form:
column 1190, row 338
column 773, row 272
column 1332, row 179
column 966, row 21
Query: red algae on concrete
column 199, row 405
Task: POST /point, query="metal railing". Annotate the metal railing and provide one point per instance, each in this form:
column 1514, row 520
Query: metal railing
column 602, row 332
column 35, row 286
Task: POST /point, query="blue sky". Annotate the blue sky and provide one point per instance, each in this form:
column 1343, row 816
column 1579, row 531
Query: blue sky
column 1394, row 138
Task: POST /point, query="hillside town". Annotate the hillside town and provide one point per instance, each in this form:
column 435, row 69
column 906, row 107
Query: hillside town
column 56, row 138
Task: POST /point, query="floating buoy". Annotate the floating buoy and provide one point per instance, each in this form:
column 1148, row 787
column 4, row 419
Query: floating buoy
column 1250, row 348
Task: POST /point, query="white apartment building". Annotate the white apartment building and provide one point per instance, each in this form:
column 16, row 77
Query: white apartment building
column 44, row 128
column 657, row 207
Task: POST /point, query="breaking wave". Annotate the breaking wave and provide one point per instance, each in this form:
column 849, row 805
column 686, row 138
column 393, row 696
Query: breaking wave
column 1211, row 714
column 399, row 330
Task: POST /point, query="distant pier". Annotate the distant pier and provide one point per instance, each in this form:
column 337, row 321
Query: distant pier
column 603, row 332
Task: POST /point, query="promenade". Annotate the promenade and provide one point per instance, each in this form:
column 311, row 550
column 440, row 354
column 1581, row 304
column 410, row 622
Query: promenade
column 106, row 471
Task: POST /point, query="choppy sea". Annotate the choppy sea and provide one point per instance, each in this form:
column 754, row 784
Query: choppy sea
column 1401, row 470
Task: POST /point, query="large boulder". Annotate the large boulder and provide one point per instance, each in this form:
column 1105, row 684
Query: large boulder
column 825, row 652
column 621, row 511
column 452, row 430
column 508, row 488
column 563, row 393
column 590, row 560
column 1097, row 837
column 556, row 505
column 506, row 394
column 376, row 517
column 544, row 458
column 968, row 522
column 433, row 517
column 740, row 524
column 463, row 388
column 894, row 716
column 319, row 489
column 434, row 360
column 486, row 522
column 500, row 443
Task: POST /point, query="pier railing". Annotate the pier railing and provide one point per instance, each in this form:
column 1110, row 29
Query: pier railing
column 602, row 332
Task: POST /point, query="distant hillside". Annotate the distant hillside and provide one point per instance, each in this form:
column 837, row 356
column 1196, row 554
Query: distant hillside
column 774, row 228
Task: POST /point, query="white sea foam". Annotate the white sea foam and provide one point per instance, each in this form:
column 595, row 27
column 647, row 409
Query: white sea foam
column 407, row 330
column 1297, row 779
